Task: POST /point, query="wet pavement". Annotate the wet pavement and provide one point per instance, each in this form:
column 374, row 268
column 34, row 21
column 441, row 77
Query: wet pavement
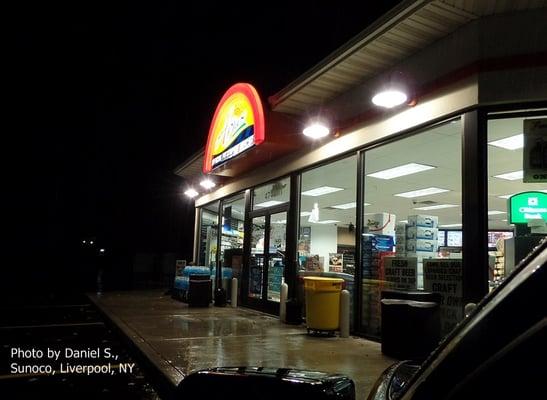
column 67, row 325
column 180, row 340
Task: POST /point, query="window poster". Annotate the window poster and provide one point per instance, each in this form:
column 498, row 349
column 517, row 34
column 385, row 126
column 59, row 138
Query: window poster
column 335, row 262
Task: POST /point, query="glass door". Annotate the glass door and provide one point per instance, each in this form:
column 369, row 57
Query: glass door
column 257, row 257
column 266, row 256
column 276, row 255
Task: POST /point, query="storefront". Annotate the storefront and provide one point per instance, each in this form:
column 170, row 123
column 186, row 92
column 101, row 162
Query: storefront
column 416, row 196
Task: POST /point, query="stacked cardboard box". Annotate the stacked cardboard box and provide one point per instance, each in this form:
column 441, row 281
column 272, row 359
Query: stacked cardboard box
column 421, row 240
column 400, row 239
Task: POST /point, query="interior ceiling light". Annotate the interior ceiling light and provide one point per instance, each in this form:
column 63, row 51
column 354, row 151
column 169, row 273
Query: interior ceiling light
column 316, row 131
column 510, row 176
column 269, row 203
column 320, row 191
column 305, row 213
column 328, row 221
column 347, row 206
column 191, row 193
column 207, row 183
column 510, row 143
column 390, row 98
column 506, row 196
column 437, row 207
column 496, row 212
column 421, row 192
column 401, row 170
column 450, row 225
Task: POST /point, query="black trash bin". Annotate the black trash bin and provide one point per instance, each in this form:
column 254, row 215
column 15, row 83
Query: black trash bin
column 410, row 323
column 199, row 290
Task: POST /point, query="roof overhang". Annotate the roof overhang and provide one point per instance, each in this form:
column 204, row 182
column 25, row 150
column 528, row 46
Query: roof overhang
column 406, row 29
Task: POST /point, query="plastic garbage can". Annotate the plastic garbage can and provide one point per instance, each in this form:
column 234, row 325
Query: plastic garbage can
column 322, row 303
column 199, row 291
column 410, row 328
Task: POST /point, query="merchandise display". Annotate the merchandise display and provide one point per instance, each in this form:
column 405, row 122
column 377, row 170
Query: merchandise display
column 418, row 238
column 275, row 278
column 374, row 248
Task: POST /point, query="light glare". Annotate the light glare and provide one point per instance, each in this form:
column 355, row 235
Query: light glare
column 191, row 193
column 389, row 98
column 316, row 131
column 207, row 183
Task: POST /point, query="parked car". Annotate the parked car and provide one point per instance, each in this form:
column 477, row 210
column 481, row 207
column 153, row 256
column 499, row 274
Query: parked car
column 496, row 352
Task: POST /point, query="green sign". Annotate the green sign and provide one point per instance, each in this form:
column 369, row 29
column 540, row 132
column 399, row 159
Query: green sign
column 527, row 206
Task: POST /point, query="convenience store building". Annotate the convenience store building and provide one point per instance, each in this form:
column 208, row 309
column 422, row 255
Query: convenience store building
column 398, row 186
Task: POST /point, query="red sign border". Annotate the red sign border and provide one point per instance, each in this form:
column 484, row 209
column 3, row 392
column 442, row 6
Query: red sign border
column 250, row 92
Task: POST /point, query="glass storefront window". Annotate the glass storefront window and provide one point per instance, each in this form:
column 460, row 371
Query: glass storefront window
column 231, row 240
column 271, row 194
column 412, row 227
column 508, row 243
column 326, row 245
column 207, row 252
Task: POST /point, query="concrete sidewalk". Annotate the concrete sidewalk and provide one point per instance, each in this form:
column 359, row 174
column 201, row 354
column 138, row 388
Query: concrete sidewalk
column 179, row 339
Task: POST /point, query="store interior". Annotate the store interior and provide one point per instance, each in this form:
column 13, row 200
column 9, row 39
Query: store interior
column 416, row 175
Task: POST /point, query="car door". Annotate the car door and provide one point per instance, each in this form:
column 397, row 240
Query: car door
column 504, row 327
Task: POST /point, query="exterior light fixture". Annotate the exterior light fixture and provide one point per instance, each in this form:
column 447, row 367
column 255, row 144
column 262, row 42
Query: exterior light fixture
column 191, row 193
column 101, row 250
column 390, row 98
column 316, row 131
column 207, row 183
column 91, row 242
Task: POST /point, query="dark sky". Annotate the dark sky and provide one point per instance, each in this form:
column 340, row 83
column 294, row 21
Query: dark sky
column 111, row 97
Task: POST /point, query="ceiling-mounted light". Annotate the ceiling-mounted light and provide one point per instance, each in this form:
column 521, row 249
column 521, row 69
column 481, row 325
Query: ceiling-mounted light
column 320, row 191
column 510, row 176
column 401, row 170
column 269, row 203
column 207, row 183
column 437, row 207
column 421, row 192
column 191, row 192
column 390, row 98
column 510, row 143
column 316, row 130
column 496, row 212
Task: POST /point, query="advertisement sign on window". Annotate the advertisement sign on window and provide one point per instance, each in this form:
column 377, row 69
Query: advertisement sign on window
column 535, row 151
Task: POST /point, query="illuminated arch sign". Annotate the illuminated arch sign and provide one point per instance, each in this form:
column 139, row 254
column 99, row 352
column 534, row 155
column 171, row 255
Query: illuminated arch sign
column 527, row 206
column 238, row 125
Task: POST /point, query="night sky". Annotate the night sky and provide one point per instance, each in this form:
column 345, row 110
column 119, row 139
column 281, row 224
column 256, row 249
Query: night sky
column 109, row 98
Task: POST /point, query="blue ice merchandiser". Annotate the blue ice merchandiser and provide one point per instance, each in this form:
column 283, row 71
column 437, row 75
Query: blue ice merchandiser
column 182, row 282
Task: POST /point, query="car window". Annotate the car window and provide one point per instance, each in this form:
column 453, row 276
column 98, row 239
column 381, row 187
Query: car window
column 510, row 311
column 510, row 373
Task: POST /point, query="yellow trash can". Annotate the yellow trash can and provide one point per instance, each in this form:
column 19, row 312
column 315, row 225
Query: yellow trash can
column 322, row 303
